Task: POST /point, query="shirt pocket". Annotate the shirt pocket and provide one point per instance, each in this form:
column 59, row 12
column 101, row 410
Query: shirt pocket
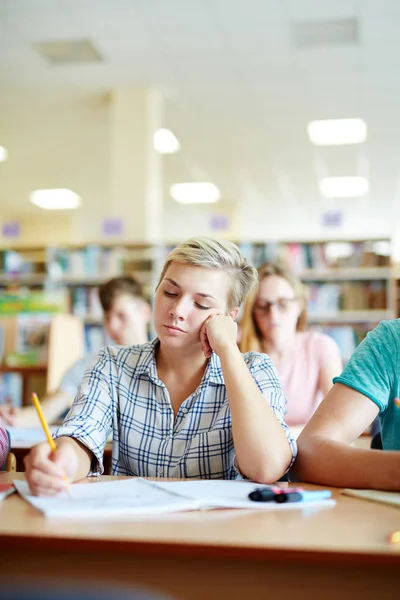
column 211, row 454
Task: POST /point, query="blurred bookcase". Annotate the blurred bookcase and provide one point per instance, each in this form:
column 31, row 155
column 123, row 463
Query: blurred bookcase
column 77, row 271
column 38, row 343
column 351, row 285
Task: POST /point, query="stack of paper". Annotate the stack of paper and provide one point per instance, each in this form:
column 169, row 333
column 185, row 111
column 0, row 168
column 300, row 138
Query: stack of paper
column 138, row 496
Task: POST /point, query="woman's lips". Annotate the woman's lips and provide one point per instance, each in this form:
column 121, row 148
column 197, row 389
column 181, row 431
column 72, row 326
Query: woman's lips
column 173, row 330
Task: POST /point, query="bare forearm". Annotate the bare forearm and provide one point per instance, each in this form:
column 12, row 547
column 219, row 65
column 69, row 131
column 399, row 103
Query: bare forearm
column 329, row 462
column 83, row 456
column 262, row 449
column 54, row 405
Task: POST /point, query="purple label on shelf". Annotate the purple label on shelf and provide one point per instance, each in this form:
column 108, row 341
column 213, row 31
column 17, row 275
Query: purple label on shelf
column 113, row 227
column 12, row 229
column 332, row 218
column 219, row 222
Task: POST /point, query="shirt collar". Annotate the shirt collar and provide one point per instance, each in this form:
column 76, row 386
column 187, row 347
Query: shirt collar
column 147, row 364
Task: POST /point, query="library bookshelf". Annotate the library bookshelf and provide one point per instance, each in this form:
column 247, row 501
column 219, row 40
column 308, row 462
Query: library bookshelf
column 351, row 285
column 65, row 345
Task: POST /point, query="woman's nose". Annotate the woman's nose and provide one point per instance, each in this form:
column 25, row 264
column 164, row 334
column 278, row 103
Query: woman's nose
column 179, row 309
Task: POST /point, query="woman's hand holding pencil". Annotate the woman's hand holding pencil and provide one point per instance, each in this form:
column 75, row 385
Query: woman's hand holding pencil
column 49, row 467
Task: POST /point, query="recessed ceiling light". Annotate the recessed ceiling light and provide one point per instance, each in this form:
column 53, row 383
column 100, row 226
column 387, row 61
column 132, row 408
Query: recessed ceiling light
column 344, row 187
column 335, row 132
column 3, row 154
column 57, row 199
column 195, row 193
column 165, row 142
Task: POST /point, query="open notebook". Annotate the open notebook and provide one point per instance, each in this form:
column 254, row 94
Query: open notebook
column 375, row 495
column 138, row 496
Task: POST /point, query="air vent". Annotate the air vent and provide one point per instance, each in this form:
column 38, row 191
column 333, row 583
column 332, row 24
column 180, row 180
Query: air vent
column 317, row 34
column 65, row 52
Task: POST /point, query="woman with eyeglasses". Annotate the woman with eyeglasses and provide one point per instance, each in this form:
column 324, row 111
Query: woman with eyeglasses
column 274, row 322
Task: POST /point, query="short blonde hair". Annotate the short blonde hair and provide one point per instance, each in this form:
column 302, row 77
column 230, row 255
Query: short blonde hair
column 251, row 337
column 218, row 255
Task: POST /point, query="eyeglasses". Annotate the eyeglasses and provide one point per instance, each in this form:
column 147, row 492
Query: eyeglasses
column 282, row 304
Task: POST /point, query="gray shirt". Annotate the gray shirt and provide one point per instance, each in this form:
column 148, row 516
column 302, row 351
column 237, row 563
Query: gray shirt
column 74, row 375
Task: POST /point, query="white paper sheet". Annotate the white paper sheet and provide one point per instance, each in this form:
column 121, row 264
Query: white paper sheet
column 137, row 496
column 375, row 496
column 109, row 499
column 218, row 493
column 24, row 437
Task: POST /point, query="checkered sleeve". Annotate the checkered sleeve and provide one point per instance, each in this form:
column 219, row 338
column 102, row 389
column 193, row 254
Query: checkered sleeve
column 4, row 446
column 266, row 377
column 90, row 417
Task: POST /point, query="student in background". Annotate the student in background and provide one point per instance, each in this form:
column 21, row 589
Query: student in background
column 126, row 318
column 369, row 385
column 4, row 446
column 274, row 322
column 187, row 404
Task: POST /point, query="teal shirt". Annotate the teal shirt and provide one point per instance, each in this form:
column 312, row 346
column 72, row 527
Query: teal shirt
column 374, row 370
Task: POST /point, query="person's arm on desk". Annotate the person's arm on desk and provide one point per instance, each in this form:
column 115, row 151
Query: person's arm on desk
column 44, row 471
column 53, row 405
column 369, row 384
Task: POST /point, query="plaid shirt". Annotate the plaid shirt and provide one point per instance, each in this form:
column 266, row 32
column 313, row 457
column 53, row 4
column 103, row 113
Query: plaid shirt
column 4, row 446
column 123, row 394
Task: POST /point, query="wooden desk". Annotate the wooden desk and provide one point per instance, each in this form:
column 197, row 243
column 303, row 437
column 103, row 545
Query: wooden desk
column 330, row 553
column 21, row 449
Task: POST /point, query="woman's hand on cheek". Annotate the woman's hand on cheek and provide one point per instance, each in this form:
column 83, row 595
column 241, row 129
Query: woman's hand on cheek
column 218, row 333
column 205, row 344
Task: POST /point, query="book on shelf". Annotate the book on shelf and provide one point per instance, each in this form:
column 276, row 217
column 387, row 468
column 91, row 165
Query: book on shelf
column 32, row 338
column 11, row 389
column 331, row 298
column 318, row 255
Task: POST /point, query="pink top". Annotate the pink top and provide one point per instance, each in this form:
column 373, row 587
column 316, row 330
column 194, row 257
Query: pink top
column 3, row 445
column 300, row 375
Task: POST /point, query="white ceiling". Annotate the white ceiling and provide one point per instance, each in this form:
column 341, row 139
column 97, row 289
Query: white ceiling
column 238, row 93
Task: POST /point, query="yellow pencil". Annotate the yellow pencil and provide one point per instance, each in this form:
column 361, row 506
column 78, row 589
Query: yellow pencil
column 46, row 429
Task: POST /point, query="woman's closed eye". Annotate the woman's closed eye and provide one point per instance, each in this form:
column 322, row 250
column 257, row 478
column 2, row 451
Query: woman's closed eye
column 202, row 307
column 174, row 295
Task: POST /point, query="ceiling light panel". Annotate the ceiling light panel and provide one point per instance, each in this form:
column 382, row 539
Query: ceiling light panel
column 56, row 199
column 344, row 187
column 336, row 132
column 64, row 52
column 165, row 142
column 195, row 193
column 320, row 34
column 3, row 154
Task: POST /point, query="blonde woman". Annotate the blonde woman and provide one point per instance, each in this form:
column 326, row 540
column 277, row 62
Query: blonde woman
column 187, row 404
column 274, row 321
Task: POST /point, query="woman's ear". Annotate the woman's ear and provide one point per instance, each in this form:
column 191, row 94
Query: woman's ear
column 234, row 312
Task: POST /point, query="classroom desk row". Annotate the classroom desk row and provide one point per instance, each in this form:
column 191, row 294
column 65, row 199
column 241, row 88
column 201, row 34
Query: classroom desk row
column 327, row 552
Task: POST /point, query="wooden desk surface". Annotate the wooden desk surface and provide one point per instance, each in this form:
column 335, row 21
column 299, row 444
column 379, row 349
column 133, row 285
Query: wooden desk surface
column 318, row 546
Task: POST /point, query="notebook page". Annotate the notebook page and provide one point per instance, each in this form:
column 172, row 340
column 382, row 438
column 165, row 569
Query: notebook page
column 116, row 499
